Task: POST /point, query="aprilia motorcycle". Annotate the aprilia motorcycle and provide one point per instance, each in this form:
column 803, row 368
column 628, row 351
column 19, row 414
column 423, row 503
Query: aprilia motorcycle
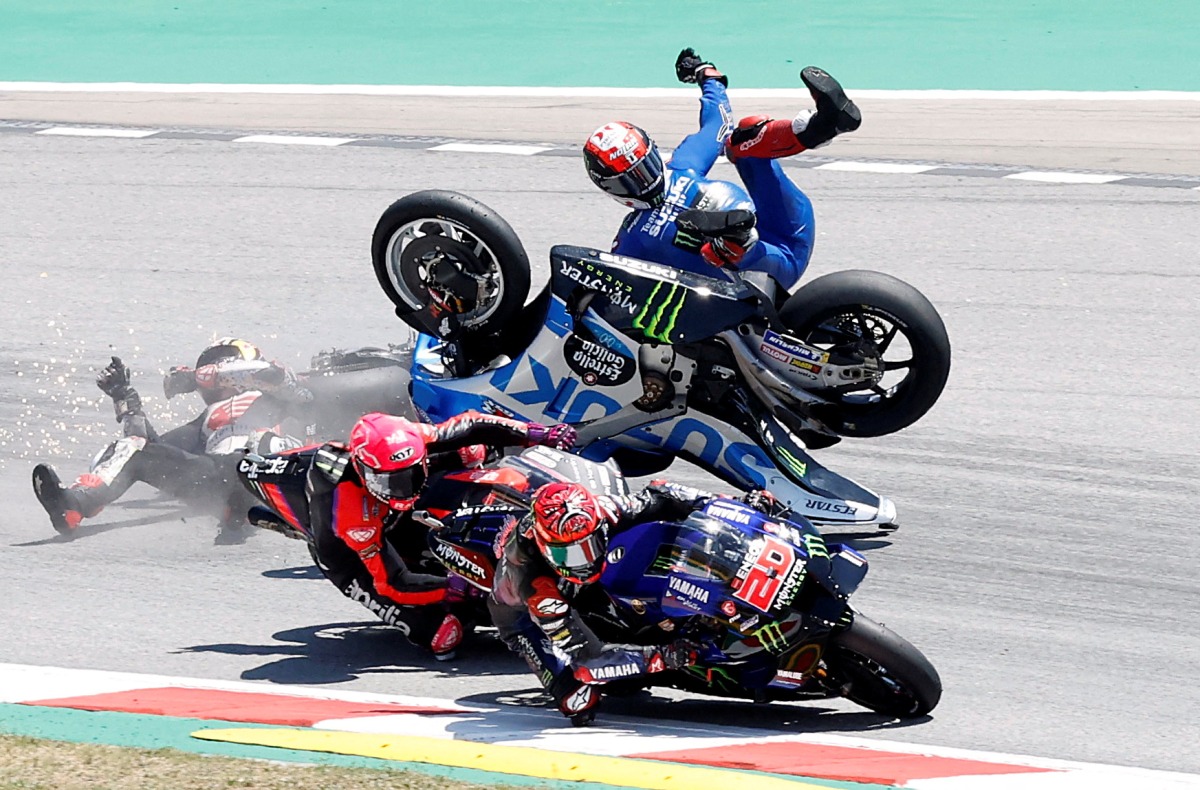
column 652, row 363
column 277, row 481
column 765, row 598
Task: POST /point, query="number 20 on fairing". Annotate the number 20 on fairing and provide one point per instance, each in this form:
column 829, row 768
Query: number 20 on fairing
column 766, row 574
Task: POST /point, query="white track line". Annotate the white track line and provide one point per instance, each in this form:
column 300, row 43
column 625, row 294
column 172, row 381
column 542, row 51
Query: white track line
column 491, row 148
column 1064, row 178
column 596, row 92
column 77, row 131
column 291, row 139
column 24, row 682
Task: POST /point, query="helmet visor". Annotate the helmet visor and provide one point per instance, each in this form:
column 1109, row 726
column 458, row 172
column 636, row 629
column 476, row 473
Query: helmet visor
column 399, row 488
column 578, row 560
column 639, row 182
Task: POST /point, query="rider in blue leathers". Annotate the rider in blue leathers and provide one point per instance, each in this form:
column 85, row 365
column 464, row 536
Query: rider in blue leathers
column 768, row 226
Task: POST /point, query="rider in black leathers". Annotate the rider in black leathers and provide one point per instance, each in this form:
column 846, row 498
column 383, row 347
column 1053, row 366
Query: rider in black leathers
column 246, row 398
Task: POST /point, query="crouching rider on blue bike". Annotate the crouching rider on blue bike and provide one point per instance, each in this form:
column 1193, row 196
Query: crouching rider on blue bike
column 549, row 564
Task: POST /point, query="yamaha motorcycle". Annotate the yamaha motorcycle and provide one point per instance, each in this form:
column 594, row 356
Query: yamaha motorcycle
column 765, row 597
column 651, row 363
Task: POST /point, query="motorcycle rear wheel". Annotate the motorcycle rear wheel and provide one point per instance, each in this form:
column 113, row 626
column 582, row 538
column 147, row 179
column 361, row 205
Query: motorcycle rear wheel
column 439, row 254
column 880, row 670
column 861, row 313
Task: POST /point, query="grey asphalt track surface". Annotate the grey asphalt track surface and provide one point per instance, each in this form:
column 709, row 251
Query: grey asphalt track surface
column 1047, row 559
column 1143, row 136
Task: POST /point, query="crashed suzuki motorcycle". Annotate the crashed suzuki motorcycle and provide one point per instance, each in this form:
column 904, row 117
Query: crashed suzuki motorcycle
column 765, row 598
column 651, row 363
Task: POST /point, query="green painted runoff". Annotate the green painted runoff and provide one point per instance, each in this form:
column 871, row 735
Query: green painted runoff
column 868, row 44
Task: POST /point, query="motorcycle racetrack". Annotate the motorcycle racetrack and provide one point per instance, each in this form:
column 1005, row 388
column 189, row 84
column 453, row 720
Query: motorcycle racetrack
column 1046, row 558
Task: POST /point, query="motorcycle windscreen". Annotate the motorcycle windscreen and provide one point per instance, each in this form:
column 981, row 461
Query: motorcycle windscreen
column 743, row 572
column 542, row 465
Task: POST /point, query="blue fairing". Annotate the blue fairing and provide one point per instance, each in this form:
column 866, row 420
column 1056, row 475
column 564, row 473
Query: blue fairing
column 677, row 570
column 443, row 398
column 628, row 573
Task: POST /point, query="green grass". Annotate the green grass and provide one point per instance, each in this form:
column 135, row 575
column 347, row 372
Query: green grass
column 37, row 764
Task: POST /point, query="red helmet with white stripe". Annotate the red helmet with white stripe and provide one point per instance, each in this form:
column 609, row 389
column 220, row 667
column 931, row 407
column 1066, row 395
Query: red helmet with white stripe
column 622, row 160
column 570, row 527
column 389, row 454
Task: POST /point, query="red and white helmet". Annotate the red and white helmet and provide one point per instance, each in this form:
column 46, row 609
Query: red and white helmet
column 211, row 363
column 388, row 452
column 570, row 528
column 622, row 160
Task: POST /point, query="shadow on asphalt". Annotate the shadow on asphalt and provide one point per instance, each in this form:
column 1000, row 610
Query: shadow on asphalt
column 645, row 707
column 341, row 652
column 859, row 541
column 88, row 530
column 297, row 572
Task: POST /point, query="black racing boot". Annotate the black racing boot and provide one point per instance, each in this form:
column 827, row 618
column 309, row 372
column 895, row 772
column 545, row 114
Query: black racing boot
column 835, row 112
column 67, row 506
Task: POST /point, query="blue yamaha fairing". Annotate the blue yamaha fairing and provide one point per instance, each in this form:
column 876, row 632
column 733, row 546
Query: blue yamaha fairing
column 765, row 594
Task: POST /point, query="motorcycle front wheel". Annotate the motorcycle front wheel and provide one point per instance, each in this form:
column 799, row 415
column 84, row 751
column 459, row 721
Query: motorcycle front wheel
column 873, row 666
column 872, row 316
column 450, row 264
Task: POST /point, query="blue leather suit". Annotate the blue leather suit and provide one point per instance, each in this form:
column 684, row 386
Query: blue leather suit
column 785, row 216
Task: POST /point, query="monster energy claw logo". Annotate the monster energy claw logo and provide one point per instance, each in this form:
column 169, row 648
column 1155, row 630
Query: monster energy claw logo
column 796, row 465
column 771, row 637
column 658, row 322
column 815, row 546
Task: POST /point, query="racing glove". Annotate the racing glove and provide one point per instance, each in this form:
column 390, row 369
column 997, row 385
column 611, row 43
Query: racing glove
column 766, row 502
column 179, row 381
column 560, row 437
column 691, row 68
column 731, row 234
column 728, row 252
column 473, row 455
column 113, row 381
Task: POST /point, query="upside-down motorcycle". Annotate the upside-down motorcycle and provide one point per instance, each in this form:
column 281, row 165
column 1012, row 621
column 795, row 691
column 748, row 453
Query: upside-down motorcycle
column 652, row 363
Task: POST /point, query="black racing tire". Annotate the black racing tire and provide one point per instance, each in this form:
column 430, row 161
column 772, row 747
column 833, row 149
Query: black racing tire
column 880, row 302
column 472, row 237
column 875, row 667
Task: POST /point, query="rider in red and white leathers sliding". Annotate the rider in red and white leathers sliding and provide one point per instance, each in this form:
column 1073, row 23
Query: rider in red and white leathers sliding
column 246, row 398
